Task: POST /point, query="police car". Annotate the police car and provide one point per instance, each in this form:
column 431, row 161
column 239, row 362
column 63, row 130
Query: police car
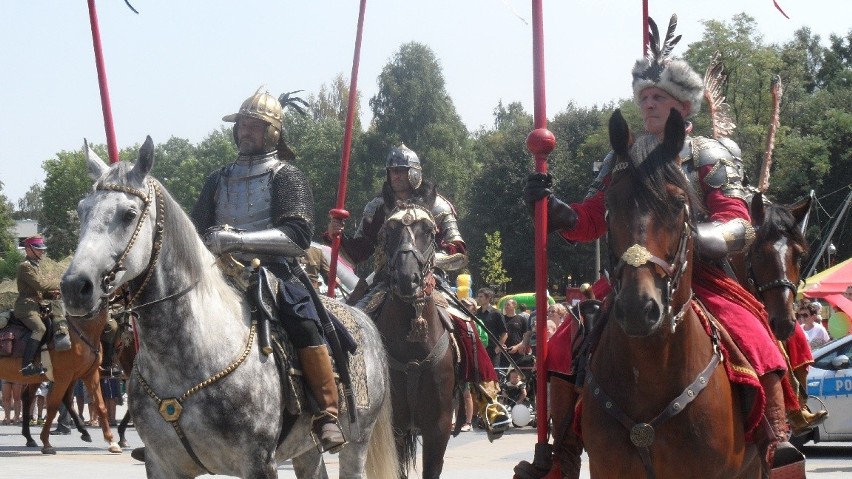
column 830, row 380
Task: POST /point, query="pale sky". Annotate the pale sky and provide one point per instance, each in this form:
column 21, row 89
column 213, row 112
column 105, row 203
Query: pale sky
column 179, row 66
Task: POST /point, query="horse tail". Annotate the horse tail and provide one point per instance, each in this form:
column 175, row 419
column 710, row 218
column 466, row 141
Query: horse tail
column 380, row 464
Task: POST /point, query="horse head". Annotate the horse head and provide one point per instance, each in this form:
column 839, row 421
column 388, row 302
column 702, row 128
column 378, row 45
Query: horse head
column 648, row 202
column 774, row 259
column 119, row 230
column 408, row 248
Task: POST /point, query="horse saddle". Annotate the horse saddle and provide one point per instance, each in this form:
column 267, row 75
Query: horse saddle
column 13, row 337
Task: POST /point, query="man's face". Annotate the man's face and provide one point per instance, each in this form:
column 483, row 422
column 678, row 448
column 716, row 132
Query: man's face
column 656, row 104
column 250, row 134
column 481, row 300
column 398, row 177
column 509, row 307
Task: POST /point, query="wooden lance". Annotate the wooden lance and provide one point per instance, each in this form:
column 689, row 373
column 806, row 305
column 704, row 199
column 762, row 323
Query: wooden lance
column 777, row 91
column 339, row 212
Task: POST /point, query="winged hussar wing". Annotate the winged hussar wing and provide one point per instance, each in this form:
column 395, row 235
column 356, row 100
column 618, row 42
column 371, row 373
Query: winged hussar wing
column 714, row 86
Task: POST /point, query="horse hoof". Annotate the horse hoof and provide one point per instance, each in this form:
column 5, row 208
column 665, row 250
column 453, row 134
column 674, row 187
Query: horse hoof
column 32, row 443
column 123, row 443
column 86, row 437
column 114, row 448
column 48, row 450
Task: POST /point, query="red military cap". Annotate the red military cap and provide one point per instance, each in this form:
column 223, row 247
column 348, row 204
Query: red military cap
column 36, row 242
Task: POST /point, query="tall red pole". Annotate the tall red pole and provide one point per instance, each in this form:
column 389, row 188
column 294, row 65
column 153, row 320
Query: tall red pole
column 338, row 211
column 645, row 27
column 540, row 142
column 109, row 127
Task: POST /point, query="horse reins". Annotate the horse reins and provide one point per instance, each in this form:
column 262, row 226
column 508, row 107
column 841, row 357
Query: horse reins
column 108, row 280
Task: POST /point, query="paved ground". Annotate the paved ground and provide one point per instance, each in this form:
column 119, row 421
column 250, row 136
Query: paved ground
column 469, row 456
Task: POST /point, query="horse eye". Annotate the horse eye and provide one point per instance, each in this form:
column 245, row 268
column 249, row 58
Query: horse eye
column 130, row 215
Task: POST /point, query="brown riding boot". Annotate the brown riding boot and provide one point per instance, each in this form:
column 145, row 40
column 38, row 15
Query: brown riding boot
column 316, row 366
column 562, row 460
column 491, row 411
column 779, row 451
column 803, row 420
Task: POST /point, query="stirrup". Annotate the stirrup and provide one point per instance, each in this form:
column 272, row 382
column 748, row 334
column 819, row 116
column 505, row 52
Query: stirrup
column 326, row 433
column 496, row 419
column 31, row 370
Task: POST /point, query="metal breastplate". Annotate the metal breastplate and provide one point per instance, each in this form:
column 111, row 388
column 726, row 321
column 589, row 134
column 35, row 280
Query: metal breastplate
column 244, row 195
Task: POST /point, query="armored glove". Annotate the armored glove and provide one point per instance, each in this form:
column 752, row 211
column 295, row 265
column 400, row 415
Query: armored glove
column 225, row 239
column 560, row 216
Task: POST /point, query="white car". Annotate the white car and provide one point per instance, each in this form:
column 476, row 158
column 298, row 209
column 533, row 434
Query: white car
column 830, row 380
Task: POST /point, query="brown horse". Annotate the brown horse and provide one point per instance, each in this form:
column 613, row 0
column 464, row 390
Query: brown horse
column 770, row 268
column 419, row 347
column 79, row 362
column 656, row 402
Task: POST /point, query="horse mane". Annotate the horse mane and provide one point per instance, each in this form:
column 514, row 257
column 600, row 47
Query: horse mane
column 652, row 171
column 778, row 222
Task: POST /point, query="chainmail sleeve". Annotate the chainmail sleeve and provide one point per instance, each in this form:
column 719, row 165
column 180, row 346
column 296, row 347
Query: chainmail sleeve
column 293, row 204
column 204, row 211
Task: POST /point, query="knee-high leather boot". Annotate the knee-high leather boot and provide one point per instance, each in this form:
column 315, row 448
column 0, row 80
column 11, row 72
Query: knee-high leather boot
column 562, row 460
column 27, row 366
column 108, row 356
column 779, row 451
column 802, row 419
column 316, row 365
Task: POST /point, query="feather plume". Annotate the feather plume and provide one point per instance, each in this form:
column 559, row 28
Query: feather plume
column 671, row 40
column 659, row 51
column 294, row 102
column 714, row 85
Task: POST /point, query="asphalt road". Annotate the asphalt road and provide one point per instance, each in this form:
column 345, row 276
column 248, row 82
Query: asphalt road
column 469, row 456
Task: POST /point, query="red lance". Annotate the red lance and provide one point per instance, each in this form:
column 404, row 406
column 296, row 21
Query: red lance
column 339, row 212
column 777, row 91
column 540, row 142
column 109, row 127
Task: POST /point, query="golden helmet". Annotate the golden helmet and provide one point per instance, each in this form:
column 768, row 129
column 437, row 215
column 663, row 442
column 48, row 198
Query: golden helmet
column 265, row 107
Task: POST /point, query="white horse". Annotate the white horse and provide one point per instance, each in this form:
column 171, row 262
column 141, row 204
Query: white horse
column 203, row 397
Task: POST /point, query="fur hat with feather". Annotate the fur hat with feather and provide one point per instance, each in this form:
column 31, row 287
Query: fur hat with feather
column 659, row 69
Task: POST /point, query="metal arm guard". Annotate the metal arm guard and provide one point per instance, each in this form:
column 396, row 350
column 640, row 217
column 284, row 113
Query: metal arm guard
column 445, row 218
column 272, row 242
column 718, row 240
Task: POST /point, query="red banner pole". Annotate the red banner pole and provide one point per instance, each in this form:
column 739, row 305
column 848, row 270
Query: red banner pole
column 109, row 127
column 540, row 143
column 645, row 34
column 339, row 211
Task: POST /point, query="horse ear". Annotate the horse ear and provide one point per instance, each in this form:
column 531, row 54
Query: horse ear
column 757, row 210
column 800, row 209
column 619, row 134
column 145, row 162
column 96, row 165
column 675, row 133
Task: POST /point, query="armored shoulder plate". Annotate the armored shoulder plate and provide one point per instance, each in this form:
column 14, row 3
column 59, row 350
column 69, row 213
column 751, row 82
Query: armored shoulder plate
column 369, row 212
column 606, row 168
column 445, row 218
column 726, row 172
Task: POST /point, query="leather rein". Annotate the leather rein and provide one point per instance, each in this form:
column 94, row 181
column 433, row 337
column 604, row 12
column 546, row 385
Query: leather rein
column 642, row 433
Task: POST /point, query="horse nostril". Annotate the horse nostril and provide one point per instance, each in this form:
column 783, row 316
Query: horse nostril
column 651, row 310
column 86, row 289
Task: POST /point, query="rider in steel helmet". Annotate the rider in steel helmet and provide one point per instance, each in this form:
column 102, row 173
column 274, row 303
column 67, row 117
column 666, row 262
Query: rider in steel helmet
column 404, row 157
column 265, row 107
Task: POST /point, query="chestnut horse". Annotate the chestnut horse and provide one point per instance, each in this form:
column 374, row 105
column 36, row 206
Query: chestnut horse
column 419, row 347
column 657, row 403
column 79, row 362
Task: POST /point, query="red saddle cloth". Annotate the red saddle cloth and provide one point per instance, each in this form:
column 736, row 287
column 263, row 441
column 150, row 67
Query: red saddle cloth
column 474, row 365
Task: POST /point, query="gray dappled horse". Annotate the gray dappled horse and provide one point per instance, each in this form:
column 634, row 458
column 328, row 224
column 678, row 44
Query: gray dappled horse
column 203, row 397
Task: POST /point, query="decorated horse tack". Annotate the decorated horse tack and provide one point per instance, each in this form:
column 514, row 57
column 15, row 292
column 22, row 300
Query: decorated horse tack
column 200, row 381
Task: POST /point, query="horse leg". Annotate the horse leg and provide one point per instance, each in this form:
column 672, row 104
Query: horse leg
column 122, row 427
column 93, row 383
column 310, row 464
column 435, row 446
column 27, row 402
column 68, row 401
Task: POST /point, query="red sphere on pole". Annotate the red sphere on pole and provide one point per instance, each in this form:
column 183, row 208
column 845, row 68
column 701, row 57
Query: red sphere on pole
column 541, row 141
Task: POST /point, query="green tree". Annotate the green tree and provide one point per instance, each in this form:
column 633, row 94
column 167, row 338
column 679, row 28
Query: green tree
column 8, row 242
column 66, row 183
column 492, row 262
column 29, row 207
column 413, row 107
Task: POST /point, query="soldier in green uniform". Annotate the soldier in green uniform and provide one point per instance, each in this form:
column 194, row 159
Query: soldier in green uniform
column 33, row 289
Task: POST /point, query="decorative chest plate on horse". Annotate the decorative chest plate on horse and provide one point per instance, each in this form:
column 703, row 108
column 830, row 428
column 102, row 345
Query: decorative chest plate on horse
column 170, row 409
column 642, row 435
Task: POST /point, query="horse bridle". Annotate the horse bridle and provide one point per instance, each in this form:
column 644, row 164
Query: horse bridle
column 775, row 283
column 638, row 255
column 154, row 191
column 407, row 216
